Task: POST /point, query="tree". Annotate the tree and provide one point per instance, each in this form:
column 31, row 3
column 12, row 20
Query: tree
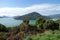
column 24, row 26
column 39, row 23
column 49, row 24
column 58, row 21
column 2, row 28
column 39, row 20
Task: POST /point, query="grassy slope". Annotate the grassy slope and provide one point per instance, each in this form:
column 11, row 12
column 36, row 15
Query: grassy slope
column 45, row 36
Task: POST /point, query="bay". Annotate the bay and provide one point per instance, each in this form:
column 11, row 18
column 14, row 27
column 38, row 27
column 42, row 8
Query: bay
column 10, row 22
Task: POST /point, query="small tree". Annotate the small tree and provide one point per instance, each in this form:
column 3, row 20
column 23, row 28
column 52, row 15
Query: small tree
column 39, row 20
column 24, row 26
column 49, row 24
column 2, row 28
column 39, row 23
column 58, row 21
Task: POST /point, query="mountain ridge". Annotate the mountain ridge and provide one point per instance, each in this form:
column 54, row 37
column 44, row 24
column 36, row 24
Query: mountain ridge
column 31, row 16
column 55, row 16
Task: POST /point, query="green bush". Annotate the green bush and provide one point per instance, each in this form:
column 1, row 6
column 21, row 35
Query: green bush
column 50, row 24
column 2, row 28
column 58, row 21
column 44, row 36
column 1, row 35
column 39, row 20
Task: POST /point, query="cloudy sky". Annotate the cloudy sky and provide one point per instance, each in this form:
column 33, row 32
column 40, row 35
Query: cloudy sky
column 22, row 7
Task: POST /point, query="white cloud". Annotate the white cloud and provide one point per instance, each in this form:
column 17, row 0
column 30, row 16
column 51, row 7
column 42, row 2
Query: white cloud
column 44, row 9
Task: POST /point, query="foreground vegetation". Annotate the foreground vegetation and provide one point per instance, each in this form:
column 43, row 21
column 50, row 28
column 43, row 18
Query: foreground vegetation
column 41, row 30
column 45, row 36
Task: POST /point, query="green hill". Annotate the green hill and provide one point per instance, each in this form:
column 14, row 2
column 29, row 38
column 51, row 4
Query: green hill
column 31, row 16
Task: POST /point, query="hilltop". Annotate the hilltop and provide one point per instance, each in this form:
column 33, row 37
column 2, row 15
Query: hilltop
column 31, row 16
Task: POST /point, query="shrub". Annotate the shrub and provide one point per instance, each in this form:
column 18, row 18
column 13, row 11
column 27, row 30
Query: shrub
column 49, row 24
column 2, row 28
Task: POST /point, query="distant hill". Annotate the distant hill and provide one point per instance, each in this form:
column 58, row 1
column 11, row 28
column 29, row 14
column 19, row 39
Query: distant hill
column 31, row 16
column 56, row 16
column 4, row 17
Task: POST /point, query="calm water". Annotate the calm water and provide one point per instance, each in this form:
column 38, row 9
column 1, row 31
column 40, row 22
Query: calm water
column 9, row 22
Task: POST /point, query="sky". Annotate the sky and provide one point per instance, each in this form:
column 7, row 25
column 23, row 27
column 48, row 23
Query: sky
column 22, row 7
